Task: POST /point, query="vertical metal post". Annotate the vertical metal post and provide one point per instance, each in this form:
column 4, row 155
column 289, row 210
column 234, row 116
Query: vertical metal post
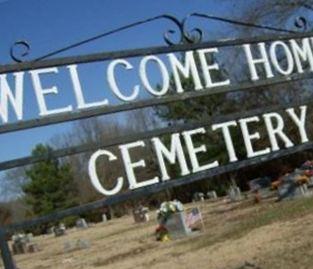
column 5, row 251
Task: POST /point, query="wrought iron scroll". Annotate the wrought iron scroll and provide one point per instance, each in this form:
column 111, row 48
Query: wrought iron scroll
column 301, row 23
column 178, row 38
column 19, row 50
column 185, row 36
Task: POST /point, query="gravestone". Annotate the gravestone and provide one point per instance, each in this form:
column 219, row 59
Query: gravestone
column 73, row 245
column 83, row 244
column 211, row 195
column 104, row 218
column 50, row 230
column 32, row 247
column 302, row 190
column 234, row 194
column 19, row 248
column 81, row 224
column 141, row 214
column 23, row 244
column 29, row 237
column 59, row 230
column 292, row 186
column 176, row 225
column 68, row 246
column 198, row 196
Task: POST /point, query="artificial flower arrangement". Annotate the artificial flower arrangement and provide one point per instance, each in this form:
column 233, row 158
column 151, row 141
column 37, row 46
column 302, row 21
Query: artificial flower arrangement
column 165, row 211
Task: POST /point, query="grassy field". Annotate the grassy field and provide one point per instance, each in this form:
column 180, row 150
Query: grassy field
column 236, row 236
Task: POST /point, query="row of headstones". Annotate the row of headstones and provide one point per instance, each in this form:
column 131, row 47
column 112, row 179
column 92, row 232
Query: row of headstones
column 80, row 224
column 72, row 245
column 141, row 214
column 23, row 243
column 295, row 191
column 200, row 196
column 234, row 194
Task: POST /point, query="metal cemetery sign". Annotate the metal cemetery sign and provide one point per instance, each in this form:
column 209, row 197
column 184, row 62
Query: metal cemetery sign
column 273, row 59
column 297, row 54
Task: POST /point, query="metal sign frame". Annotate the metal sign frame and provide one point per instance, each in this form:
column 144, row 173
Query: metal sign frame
column 186, row 42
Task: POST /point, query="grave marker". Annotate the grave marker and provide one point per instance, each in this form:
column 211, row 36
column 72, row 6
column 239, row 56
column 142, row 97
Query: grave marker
column 141, row 214
column 176, row 225
column 81, row 224
column 198, row 196
column 23, row 244
column 104, row 218
column 162, row 96
column 73, row 245
column 212, row 195
column 234, row 194
column 59, row 230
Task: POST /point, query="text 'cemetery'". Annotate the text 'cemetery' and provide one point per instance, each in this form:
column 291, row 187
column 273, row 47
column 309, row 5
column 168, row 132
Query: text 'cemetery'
column 263, row 61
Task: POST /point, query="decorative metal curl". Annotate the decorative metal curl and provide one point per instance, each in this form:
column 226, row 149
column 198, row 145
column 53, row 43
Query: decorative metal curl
column 171, row 32
column 13, row 52
column 194, row 35
column 301, row 23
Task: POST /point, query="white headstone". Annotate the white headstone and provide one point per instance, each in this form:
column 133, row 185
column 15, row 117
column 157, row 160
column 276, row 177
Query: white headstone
column 198, row 196
column 73, row 245
column 83, row 244
column 176, row 225
column 212, row 195
column 302, row 190
column 59, row 230
column 22, row 243
column 29, row 237
column 81, row 224
column 234, row 194
column 141, row 214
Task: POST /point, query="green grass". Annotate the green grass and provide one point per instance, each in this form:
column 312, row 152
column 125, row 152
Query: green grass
column 261, row 215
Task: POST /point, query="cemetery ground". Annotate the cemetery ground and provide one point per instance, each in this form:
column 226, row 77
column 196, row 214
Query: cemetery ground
column 237, row 235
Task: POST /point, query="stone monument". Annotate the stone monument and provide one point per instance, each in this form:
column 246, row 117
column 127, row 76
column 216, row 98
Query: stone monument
column 176, row 225
column 23, row 243
column 81, row 224
column 234, row 194
column 59, row 230
column 141, row 214
column 198, row 196
column 211, row 195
